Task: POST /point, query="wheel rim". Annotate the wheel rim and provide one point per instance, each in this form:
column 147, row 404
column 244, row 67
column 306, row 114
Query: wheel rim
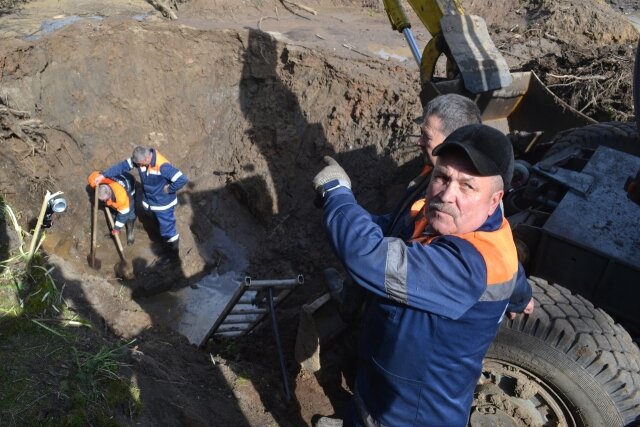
column 508, row 395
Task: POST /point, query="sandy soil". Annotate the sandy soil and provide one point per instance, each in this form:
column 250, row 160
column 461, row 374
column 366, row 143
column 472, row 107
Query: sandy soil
column 245, row 98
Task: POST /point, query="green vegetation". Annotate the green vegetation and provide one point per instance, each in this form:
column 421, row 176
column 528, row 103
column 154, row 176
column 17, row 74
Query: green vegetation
column 55, row 369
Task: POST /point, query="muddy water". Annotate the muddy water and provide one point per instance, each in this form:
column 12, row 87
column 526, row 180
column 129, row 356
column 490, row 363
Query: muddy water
column 193, row 310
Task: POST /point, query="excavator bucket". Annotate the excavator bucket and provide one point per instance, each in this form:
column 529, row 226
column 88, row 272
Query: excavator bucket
column 508, row 101
column 525, row 105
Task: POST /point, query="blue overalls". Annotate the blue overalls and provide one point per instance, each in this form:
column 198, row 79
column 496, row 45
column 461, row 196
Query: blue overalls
column 154, row 178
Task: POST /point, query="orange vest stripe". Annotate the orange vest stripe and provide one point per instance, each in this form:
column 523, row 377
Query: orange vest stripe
column 121, row 197
column 160, row 160
column 498, row 250
column 419, row 214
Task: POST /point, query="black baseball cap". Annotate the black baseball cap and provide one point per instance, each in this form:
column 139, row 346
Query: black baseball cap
column 489, row 150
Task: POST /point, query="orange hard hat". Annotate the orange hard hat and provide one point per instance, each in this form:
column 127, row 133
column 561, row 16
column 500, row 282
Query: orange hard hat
column 92, row 178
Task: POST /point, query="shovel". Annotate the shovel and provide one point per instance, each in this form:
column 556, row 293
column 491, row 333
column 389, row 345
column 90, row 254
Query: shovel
column 123, row 269
column 93, row 262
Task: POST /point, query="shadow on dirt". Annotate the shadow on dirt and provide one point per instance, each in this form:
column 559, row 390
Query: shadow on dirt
column 293, row 148
column 178, row 385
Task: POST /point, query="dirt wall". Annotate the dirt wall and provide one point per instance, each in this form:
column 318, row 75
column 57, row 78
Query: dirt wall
column 247, row 118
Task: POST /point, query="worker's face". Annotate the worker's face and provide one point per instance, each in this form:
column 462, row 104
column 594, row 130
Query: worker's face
column 430, row 137
column 460, row 201
column 146, row 162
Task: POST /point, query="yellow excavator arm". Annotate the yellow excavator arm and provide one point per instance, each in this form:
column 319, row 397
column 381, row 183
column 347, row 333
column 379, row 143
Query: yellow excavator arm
column 430, row 12
column 475, row 68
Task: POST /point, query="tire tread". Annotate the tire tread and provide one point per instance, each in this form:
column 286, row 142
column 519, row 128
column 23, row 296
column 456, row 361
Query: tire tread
column 589, row 337
column 620, row 136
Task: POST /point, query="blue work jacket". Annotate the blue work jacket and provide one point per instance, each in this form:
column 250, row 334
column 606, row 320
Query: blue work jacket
column 437, row 307
column 153, row 178
column 399, row 222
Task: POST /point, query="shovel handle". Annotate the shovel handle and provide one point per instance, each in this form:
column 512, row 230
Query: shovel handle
column 94, row 227
column 115, row 236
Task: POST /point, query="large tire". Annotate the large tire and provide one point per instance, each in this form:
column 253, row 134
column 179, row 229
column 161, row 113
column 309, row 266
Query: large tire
column 567, row 364
column 623, row 137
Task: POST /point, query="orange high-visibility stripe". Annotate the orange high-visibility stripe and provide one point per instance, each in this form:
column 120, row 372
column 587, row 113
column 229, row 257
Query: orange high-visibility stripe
column 426, row 170
column 160, row 160
column 498, row 250
column 418, row 213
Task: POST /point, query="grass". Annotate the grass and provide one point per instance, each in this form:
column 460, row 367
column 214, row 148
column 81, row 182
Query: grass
column 55, row 368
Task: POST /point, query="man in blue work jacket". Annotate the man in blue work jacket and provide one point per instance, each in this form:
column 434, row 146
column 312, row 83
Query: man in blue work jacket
column 160, row 183
column 442, row 115
column 439, row 296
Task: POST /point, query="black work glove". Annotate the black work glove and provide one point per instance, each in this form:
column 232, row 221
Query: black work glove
column 332, row 176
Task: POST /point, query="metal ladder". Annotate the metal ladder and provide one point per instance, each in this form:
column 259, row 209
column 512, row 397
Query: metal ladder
column 248, row 306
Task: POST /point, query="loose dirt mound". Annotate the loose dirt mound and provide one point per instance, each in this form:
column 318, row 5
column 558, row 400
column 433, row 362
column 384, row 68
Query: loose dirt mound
column 247, row 116
column 582, row 50
column 247, row 121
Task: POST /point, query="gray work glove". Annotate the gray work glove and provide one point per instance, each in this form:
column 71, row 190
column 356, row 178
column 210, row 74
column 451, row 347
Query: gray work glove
column 332, row 173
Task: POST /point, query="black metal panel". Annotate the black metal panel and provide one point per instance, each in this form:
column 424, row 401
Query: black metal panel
column 604, row 221
column 620, row 295
column 569, row 265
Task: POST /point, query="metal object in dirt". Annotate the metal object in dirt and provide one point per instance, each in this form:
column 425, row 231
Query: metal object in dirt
column 55, row 205
column 241, row 315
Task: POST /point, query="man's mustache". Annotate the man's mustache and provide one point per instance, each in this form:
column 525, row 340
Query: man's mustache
column 444, row 208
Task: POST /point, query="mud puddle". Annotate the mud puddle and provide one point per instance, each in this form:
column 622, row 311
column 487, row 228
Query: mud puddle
column 193, row 310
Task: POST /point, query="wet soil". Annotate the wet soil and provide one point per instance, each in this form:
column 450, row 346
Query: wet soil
column 245, row 98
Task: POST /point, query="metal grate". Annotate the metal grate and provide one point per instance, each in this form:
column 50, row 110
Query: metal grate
column 248, row 306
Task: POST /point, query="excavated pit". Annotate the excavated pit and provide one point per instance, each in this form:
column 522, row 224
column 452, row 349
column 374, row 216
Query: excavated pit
column 245, row 114
column 246, row 117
